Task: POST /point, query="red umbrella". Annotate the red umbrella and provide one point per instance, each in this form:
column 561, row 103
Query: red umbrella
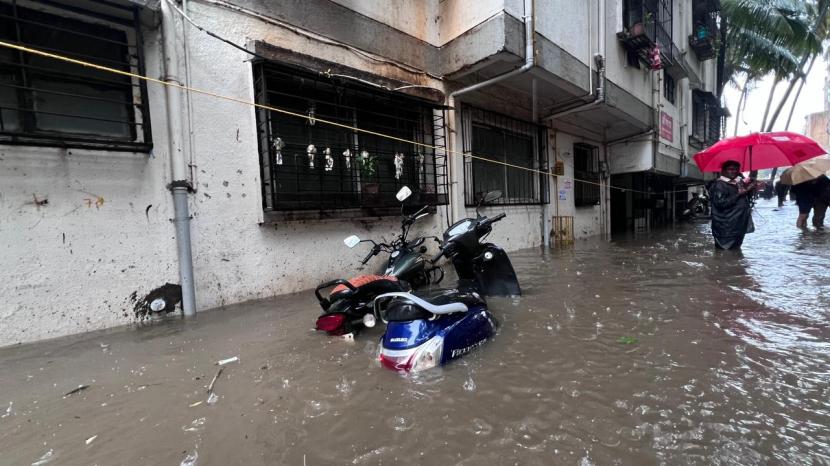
column 758, row 151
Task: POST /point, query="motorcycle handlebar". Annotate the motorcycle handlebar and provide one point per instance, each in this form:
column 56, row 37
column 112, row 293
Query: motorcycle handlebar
column 369, row 256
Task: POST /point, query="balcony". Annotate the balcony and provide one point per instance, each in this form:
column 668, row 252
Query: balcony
column 647, row 24
column 704, row 38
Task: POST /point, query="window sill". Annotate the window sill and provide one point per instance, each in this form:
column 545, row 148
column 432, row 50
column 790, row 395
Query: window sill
column 349, row 215
column 93, row 144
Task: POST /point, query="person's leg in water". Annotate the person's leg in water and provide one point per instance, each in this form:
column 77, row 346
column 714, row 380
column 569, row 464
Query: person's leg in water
column 804, row 208
column 819, row 210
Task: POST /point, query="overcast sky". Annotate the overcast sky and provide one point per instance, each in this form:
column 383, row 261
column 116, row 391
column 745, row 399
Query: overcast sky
column 811, row 101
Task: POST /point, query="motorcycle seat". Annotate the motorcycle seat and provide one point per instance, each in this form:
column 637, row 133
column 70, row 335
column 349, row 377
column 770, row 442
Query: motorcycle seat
column 407, row 307
column 368, row 285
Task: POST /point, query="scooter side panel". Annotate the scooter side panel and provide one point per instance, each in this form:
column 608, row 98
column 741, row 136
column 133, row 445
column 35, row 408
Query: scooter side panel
column 406, row 335
column 471, row 331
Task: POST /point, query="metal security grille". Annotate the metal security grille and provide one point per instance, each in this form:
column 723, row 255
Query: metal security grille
column 508, row 141
column 308, row 165
column 708, row 120
column 48, row 102
column 587, row 175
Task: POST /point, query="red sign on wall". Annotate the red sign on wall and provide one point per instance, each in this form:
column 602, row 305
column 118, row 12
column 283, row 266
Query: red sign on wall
column 666, row 126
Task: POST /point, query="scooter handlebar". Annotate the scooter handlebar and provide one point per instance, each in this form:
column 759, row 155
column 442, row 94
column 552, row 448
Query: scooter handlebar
column 437, row 257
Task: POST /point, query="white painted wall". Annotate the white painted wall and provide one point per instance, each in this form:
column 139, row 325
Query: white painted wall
column 588, row 221
column 418, row 18
column 70, row 265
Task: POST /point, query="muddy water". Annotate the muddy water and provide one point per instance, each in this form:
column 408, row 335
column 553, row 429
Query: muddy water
column 642, row 351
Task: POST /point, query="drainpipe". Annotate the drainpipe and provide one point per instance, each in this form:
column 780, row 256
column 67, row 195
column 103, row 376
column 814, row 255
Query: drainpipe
column 600, row 93
column 529, row 55
column 180, row 186
column 528, row 64
column 600, row 29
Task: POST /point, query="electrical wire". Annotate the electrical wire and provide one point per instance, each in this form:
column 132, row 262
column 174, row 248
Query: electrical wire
column 211, row 34
column 304, row 116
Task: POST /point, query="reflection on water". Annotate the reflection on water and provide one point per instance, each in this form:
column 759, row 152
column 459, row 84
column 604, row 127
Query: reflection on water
column 640, row 351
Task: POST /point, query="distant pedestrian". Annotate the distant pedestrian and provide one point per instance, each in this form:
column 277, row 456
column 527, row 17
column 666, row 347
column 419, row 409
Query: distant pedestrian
column 731, row 207
column 805, row 197
column 781, row 191
column 822, row 199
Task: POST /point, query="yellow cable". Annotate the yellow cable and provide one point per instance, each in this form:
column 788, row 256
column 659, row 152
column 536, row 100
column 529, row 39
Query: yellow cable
column 288, row 112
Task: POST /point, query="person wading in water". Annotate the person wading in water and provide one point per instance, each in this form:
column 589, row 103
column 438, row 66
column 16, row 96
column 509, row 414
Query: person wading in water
column 731, row 207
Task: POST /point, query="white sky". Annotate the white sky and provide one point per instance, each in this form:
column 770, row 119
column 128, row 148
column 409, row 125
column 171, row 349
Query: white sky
column 811, row 101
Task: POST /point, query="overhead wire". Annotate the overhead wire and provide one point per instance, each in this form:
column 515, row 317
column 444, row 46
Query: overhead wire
column 283, row 111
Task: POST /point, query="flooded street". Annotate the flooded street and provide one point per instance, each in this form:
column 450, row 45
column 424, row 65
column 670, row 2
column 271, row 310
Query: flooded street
column 647, row 350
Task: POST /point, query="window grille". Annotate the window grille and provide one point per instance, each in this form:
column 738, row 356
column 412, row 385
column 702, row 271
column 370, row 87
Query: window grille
column 587, row 175
column 669, row 87
column 708, row 119
column 509, row 141
column 308, row 165
column 44, row 101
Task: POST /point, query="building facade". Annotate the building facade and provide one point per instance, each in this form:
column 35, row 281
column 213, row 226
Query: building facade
column 452, row 98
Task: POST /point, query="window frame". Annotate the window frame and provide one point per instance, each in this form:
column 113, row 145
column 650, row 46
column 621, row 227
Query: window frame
column 338, row 190
column 587, row 194
column 669, row 87
column 536, row 184
column 119, row 18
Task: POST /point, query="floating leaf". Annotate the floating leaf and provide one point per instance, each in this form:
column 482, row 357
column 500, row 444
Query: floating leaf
column 627, row 340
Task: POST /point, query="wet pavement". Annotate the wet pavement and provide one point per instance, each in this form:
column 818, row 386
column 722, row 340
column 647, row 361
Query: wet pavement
column 645, row 350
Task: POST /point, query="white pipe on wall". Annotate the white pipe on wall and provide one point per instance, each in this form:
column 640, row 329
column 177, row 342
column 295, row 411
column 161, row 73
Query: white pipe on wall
column 179, row 185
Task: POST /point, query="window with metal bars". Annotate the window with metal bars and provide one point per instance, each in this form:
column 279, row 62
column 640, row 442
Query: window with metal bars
column 586, row 175
column 505, row 154
column 46, row 102
column 310, row 165
column 669, row 86
column 707, row 119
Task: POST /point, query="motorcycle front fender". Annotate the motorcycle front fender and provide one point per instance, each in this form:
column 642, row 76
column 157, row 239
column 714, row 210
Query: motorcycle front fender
column 495, row 274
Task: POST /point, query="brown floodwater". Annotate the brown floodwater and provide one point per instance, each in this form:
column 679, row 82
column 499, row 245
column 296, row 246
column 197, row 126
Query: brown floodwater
column 646, row 350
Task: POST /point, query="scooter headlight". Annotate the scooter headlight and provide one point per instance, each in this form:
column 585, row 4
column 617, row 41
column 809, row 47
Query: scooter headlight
column 427, row 355
column 369, row 320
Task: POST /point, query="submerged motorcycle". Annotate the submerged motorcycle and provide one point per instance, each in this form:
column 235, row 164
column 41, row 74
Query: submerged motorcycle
column 350, row 301
column 425, row 330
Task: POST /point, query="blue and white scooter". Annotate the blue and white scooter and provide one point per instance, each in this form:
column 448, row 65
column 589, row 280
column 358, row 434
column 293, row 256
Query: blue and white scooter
column 428, row 329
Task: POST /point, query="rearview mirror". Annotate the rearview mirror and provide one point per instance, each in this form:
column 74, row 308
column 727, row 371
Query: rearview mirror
column 351, row 241
column 491, row 196
column 403, row 194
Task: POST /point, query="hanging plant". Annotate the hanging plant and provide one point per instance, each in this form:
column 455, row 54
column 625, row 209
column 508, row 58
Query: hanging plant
column 368, row 165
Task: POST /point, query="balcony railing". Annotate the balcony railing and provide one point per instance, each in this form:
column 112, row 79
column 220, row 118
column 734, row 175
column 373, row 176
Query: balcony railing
column 704, row 37
column 647, row 24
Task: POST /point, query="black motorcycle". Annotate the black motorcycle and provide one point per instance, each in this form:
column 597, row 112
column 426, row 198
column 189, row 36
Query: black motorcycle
column 350, row 301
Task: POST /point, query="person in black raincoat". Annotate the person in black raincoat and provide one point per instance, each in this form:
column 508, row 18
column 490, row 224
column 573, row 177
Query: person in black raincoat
column 731, row 207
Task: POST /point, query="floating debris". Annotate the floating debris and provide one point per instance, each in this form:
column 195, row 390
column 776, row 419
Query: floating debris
column 47, row 457
column 195, row 404
column 227, row 361
column 213, row 382
column 9, row 411
column 190, row 459
column 627, row 340
column 76, row 390
column 212, row 398
column 91, row 439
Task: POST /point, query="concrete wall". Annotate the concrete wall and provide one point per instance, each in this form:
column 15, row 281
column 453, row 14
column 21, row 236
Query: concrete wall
column 418, row 19
column 102, row 235
column 589, row 220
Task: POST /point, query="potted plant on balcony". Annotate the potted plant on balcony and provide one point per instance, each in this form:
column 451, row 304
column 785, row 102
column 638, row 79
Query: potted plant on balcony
column 639, row 27
column 368, row 166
